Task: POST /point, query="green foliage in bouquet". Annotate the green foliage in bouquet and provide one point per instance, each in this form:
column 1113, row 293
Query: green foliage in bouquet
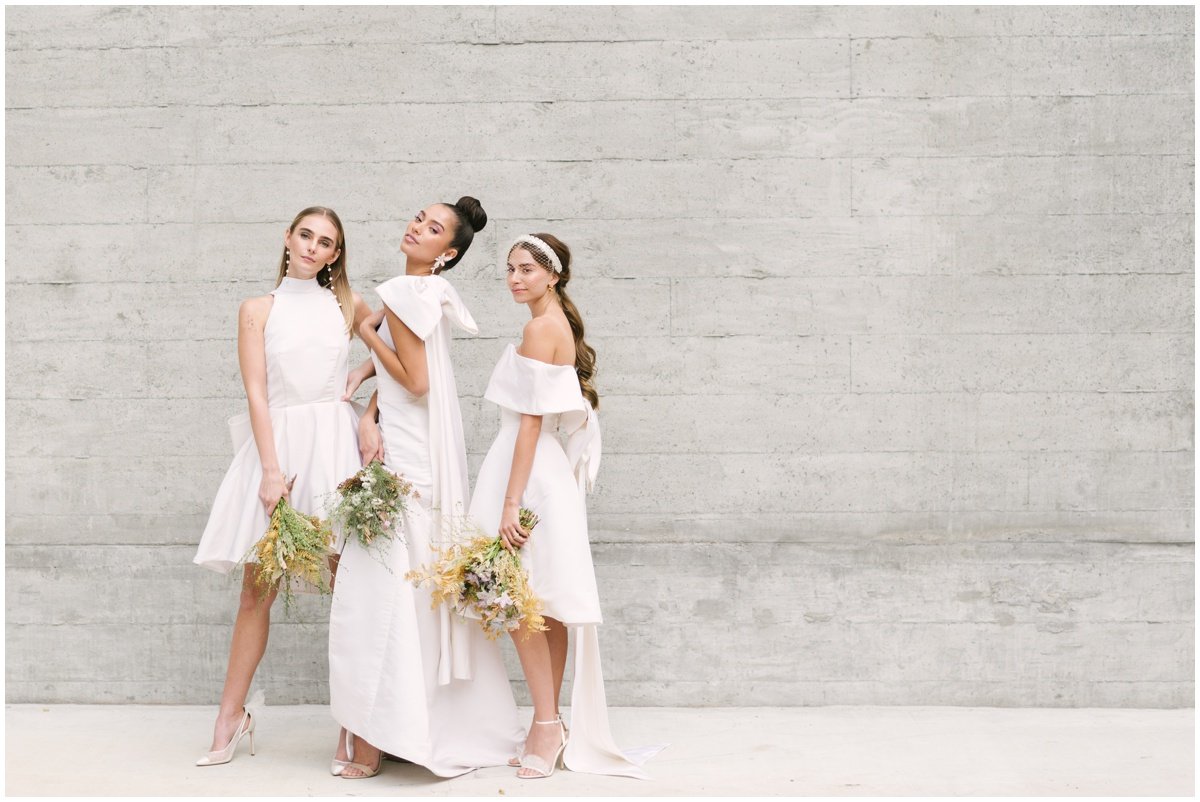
column 485, row 580
column 368, row 504
column 295, row 549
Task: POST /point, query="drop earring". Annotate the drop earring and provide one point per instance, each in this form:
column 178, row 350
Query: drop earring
column 287, row 262
column 439, row 263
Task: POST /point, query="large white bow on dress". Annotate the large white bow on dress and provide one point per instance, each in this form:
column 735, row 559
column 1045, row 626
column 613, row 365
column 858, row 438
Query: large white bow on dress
column 428, row 305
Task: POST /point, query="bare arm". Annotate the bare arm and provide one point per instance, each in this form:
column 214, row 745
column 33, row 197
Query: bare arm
column 407, row 363
column 538, row 343
column 370, row 439
column 361, row 312
column 357, row 376
column 252, row 358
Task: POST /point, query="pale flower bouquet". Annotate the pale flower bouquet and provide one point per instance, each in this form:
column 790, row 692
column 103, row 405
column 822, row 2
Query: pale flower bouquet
column 484, row 580
column 367, row 505
column 293, row 553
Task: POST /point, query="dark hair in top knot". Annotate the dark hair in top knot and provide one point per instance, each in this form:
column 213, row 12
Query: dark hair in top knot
column 471, row 209
column 471, row 218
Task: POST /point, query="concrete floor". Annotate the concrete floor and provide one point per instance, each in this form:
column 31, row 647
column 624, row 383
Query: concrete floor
column 89, row 750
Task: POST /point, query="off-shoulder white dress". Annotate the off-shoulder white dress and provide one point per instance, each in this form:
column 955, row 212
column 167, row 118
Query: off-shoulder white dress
column 316, row 433
column 557, row 555
column 418, row 682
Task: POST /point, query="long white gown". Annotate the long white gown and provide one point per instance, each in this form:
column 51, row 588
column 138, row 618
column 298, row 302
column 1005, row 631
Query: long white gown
column 417, row 682
column 557, row 555
column 316, row 433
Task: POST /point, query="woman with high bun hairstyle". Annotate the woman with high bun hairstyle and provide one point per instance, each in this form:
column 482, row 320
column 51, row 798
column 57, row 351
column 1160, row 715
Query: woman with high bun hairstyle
column 297, row 441
column 542, row 387
column 404, row 678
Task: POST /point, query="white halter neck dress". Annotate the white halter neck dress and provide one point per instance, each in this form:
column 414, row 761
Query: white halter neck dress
column 316, row 433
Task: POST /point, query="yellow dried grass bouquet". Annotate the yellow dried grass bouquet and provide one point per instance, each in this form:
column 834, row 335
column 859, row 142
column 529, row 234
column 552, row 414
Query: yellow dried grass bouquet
column 294, row 551
column 486, row 581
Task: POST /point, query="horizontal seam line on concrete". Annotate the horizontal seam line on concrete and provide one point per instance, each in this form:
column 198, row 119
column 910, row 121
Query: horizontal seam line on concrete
column 596, row 219
column 765, row 334
column 76, row 457
column 689, row 160
column 714, row 275
column 833, row 37
column 585, row 102
column 869, row 545
column 963, row 394
column 650, row 276
column 600, row 160
column 658, row 279
column 841, row 95
column 798, row 511
column 235, row 401
column 795, row 452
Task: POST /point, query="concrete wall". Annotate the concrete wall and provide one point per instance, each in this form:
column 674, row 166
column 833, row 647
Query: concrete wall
column 894, row 310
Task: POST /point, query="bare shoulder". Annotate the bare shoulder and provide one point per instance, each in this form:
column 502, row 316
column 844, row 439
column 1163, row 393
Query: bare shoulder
column 538, row 328
column 544, row 339
column 357, row 297
column 254, row 311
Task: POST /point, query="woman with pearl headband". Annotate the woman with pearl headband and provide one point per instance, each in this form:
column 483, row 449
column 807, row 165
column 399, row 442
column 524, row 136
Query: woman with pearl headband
column 542, row 387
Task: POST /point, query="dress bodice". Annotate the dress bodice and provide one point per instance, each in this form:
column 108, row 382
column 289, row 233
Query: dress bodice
column 307, row 346
column 412, row 441
column 520, row 385
column 404, row 422
column 523, row 386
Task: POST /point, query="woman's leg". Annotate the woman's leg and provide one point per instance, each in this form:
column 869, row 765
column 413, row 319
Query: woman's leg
column 556, row 638
column 534, row 652
column 245, row 652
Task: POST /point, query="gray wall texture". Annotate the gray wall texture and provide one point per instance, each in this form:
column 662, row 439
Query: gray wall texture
column 894, row 310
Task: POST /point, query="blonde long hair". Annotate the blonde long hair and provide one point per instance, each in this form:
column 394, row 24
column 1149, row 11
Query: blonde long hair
column 332, row 276
column 585, row 355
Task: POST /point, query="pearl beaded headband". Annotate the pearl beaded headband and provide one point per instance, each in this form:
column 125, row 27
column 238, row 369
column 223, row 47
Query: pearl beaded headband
column 544, row 249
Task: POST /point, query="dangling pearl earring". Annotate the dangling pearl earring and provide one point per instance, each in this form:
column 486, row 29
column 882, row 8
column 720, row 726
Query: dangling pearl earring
column 287, row 261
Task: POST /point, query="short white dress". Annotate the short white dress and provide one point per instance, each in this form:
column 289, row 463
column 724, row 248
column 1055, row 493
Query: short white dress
column 418, row 682
column 557, row 556
column 316, row 433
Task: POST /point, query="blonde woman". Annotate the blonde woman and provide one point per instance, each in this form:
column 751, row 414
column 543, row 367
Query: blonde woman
column 298, row 440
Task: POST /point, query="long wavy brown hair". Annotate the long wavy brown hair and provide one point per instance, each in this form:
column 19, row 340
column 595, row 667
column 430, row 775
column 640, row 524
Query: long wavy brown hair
column 585, row 355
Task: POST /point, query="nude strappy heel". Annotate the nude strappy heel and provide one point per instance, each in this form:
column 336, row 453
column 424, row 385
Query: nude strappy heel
column 515, row 762
column 336, row 766
column 535, row 763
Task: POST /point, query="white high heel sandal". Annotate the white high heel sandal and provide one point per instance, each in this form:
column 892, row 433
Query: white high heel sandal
column 532, row 761
column 515, row 762
column 245, row 727
column 337, row 766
